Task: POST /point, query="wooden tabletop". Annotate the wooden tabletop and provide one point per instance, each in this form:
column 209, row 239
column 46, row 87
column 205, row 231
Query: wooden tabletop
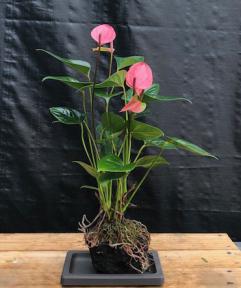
column 188, row 260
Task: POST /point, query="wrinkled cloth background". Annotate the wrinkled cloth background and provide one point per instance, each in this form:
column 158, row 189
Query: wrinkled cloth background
column 194, row 50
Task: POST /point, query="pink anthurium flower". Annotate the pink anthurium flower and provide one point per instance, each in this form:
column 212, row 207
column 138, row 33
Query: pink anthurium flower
column 139, row 77
column 134, row 105
column 103, row 34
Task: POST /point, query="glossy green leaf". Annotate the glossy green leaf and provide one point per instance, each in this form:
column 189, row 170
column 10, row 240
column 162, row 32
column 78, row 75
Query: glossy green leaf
column 78, row 65
column 69, row 81
column 89, row 187
column 89, row 169
column 112, row 122
column 103, row 94
column 153, row 90
column 123, row 62
column 67, row 115
column 149, row 160
column 107, row 176
column 143, row 131
column 115, row 80
column 129, row 94
column 167, row 98
column 112, row 163
column 152, row 94
column 160, row 143
column 185, row 145
column 108, row 139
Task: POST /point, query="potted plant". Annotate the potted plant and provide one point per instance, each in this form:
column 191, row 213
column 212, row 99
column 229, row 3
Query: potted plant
column 117, row 244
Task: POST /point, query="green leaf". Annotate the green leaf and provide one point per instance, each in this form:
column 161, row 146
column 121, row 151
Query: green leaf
column 89, row 187
column 149, row 160
column 112, row 163
column 69, row 81
column 160, row 143
column 105, row 146
column 89, row 169
column 153, row 94
column 115, row 80
column 67, row 115
column 112, row 122
column 153, row 90
column 143, row 131
column 78, row 65
column 103, row 94
column 168, row 98
column 106, row 139
column 104, row 177
column 129, row 94
column 123, row 62
column 185, row 145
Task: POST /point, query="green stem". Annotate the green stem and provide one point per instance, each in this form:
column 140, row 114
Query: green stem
column 122, row 145
column 119, row 197
column 84, row 102
column 93, row 140
column 108, row 101
column 102, row 198
column 110, row 70
column 111, row 60
column 84, row 145
column 139, row 152
column 91, row 150
column 110, row 194
column 129, row 137
column 107, row 105
column 126, row 143
column 82, row 134
column 142, row 180
column 93, row 94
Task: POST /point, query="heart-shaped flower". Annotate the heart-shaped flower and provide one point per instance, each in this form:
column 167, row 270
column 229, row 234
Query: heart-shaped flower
column 139, row 77
column 103, row 34
column 134, row 105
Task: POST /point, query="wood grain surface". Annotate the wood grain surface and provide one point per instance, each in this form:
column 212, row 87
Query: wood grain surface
column 188, row 260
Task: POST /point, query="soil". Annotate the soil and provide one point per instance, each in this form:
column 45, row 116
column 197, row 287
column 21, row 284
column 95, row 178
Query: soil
column 119, row 247
column 107, row 259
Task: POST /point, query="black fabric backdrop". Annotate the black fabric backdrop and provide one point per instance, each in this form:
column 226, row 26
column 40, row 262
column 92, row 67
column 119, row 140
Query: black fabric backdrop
column 194, row 49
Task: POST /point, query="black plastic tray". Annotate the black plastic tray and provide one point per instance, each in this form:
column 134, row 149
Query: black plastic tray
column 78, row 271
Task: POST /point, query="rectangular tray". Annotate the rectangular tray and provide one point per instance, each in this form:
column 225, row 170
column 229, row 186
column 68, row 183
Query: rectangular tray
column 78, row 271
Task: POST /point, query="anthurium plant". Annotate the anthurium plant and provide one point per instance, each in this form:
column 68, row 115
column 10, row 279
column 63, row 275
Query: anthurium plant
column 108, row 144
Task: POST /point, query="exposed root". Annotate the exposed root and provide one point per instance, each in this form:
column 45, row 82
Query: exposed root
column 83, row 226
column 129, row 235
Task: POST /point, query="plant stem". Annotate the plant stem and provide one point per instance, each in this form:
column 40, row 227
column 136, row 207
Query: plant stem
column 110, row 70
column 122, row 145
column 129, row 137
column 84, row 103
column 93, row 141
column 126, row 148
column 142, row 180
column 139, row 152
column 111, row 60
column 84, row 145
column 107, row 106
column 91, row 150
column 93, row 94
column 102, row 198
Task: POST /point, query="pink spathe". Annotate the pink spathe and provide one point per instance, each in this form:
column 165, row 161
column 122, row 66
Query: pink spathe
column 103, row 34
column 139, row 77
column 134, row 105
